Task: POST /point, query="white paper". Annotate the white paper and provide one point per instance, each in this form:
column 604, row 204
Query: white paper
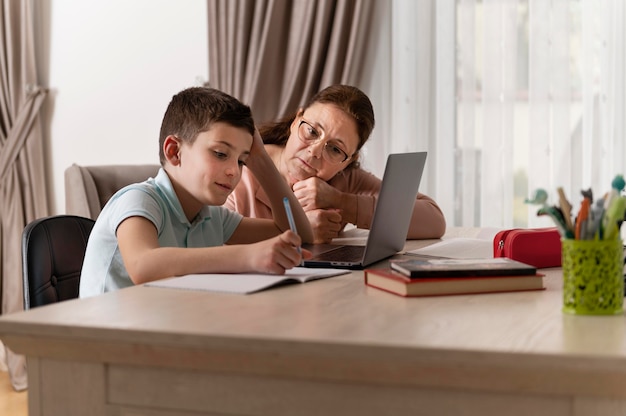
column 458, row 248
column 244, row 283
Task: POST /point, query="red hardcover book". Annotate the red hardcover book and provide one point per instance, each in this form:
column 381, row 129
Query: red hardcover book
column 393, row 282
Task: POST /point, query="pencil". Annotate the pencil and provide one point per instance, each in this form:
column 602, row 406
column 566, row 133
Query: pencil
column 292, row 222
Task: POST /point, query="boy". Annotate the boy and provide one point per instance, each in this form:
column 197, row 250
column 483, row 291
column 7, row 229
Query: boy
column 174, row 224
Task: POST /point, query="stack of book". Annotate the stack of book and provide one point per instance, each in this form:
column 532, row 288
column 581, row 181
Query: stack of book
column 433, row 277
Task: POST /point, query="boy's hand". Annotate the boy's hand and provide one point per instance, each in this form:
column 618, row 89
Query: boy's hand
column 277, row 254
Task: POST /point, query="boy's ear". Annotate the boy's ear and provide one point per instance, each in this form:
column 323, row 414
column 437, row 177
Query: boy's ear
column 171, row 149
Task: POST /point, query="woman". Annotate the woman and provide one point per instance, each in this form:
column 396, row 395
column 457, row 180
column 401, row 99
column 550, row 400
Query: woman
column 316, row 150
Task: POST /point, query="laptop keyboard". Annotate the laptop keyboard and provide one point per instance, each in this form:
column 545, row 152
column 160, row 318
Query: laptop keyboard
column 343, row 253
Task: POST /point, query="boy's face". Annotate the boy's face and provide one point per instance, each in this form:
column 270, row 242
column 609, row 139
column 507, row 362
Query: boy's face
column 210, row 168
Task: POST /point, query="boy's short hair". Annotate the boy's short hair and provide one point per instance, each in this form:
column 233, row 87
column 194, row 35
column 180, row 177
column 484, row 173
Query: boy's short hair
column 194, row 110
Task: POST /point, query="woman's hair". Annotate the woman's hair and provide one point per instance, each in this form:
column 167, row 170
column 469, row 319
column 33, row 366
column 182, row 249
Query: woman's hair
column 194, row 110
column 348, row 99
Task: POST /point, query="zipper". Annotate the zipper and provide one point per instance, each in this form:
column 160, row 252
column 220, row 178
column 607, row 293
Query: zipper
column 502, row 242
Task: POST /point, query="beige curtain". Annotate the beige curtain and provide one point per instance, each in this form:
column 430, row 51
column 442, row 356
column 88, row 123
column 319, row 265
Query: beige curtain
column 274, row 54
column 22, row 184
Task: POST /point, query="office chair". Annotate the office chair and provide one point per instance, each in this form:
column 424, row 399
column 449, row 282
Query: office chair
column 53, row 249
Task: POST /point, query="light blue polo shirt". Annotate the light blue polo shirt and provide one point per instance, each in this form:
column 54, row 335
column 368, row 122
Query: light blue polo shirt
column 155, row 199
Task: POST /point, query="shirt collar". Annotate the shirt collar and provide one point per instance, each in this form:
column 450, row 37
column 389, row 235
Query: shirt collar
column 165, row 187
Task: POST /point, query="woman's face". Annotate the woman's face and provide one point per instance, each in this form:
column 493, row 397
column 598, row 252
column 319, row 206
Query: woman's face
column 322, row 142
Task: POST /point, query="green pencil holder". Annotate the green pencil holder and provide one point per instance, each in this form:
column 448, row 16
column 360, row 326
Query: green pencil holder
column 593, row 280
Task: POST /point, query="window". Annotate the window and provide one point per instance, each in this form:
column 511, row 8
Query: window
column 507, row 96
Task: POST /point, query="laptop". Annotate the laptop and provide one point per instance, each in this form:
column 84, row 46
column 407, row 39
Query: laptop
column 390, row 224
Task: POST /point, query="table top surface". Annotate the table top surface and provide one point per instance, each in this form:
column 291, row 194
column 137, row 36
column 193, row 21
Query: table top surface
column 338, row 311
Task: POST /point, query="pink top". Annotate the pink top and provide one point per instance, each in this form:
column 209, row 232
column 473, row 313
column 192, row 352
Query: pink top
column 427, row 221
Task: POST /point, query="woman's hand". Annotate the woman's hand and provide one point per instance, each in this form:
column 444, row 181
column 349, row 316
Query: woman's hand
column 314, row 193
column 326, row 224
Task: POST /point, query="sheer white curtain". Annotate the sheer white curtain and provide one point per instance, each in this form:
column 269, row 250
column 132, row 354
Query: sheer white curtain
column 507, row 96
column 403, row 67
column 602, row 150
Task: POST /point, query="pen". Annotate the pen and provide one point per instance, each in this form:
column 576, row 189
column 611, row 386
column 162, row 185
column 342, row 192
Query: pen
column 617, row 186
column 595, row 224
column 292, row 222
column 556, row 215
column 612, row 217
column 566, row 209
column 599, row 220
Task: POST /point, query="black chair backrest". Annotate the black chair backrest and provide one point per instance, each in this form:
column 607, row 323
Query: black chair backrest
column 53, row 249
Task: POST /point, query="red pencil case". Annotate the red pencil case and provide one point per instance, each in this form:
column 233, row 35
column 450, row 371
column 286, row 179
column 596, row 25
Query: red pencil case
column 539, row 247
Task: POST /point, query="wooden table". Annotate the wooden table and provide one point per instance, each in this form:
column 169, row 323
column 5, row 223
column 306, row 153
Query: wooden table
column 329, row 347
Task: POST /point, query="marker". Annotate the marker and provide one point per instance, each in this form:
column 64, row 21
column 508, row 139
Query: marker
column 580, row 233
column 588, row 194
column 292, row 222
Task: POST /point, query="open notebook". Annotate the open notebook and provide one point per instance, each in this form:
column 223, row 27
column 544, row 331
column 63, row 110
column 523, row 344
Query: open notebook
column 244, row 283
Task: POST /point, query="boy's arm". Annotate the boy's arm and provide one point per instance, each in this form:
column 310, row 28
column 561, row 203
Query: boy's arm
column 145, row 260
column 263, row 168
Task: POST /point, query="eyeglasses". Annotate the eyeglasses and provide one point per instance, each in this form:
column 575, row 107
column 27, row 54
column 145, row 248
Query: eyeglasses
column 332, row 152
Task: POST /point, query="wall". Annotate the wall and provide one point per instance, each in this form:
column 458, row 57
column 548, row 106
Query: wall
column 112, row 67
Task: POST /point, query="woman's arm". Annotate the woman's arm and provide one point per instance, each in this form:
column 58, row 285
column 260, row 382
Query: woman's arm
column 427, row 220
column 263, row 168
column 354, row 193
